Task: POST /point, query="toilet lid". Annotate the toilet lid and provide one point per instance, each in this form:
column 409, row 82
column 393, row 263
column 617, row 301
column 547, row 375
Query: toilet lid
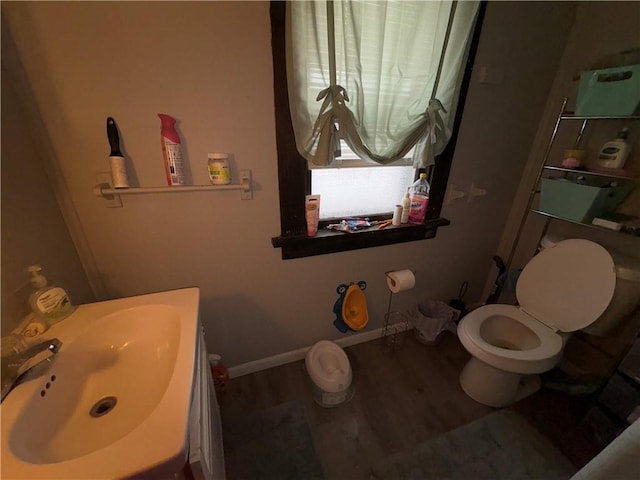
column 568, row 286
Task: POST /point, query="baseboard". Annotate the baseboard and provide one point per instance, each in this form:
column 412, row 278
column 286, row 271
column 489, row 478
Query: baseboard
column 299, row 354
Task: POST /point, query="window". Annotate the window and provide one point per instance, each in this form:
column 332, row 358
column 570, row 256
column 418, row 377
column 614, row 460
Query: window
column 360, row 191
column 295, row 176
column 353, row 187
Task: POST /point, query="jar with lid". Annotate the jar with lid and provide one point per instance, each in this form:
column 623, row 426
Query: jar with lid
column 219, row 171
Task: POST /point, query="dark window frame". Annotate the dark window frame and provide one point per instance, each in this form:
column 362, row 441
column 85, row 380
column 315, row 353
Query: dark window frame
column 294, row 177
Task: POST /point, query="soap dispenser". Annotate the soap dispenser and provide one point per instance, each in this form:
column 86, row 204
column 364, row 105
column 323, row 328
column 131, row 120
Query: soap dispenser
column 49, row 302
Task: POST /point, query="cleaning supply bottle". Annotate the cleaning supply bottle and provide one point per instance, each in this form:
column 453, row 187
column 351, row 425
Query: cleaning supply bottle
column 614, row 153
column 49, row 302
column 419, row 199
column 171, row 151
column 406, row 204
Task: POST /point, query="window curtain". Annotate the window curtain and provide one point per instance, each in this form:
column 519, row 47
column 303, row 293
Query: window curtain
column 382, row 75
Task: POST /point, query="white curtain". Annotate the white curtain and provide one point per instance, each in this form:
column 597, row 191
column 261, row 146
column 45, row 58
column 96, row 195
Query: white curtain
column 382, row 75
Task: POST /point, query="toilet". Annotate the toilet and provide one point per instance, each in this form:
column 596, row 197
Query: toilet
column 562, row 289
column 330, row 373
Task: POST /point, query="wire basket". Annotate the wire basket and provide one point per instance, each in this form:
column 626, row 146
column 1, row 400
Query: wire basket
column 394, row 324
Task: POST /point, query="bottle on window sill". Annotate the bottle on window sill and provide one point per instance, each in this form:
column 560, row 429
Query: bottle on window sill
column 406, row 205
column 419, row 199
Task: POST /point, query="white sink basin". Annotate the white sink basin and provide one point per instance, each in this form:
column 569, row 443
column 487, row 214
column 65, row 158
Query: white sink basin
column 115, row 400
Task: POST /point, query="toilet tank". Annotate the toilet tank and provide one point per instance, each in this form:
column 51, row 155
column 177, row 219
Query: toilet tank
column 626, row 296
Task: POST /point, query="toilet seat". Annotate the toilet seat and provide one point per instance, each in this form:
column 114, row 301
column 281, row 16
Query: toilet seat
column 567, row 286
column 534, row 360
column 328, row 366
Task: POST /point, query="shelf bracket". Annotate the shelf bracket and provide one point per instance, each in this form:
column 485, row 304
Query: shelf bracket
column 453, row 194
column 103, row 181
column 245, row 180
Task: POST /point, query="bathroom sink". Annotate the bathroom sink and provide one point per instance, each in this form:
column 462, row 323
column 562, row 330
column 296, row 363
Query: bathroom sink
column 114, row 402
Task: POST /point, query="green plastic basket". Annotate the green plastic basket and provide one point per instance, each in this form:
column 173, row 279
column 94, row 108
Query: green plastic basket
column 609, row 92
column 580, row 203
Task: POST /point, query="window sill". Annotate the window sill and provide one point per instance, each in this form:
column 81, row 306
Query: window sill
column 327, row 241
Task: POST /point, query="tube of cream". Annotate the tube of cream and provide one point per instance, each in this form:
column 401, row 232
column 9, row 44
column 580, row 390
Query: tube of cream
column 312, row 213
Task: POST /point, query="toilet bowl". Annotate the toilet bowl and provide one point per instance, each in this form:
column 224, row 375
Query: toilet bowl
column 330, row 373
column 562, row 289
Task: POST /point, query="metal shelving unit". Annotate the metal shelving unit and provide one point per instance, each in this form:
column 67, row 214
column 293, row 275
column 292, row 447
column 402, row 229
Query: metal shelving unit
column 563, row 115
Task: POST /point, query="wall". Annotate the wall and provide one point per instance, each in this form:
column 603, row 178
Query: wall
column 33, row 227
column 209, row 65
column 591, row 39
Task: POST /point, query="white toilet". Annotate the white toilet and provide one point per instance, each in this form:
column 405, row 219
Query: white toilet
column 330, row 372
column 562, row 289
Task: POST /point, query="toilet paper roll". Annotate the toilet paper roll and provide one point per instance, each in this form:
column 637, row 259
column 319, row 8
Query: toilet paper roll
column 400, row 280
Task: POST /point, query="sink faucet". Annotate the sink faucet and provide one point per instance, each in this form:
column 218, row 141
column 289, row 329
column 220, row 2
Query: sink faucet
column 15, row 365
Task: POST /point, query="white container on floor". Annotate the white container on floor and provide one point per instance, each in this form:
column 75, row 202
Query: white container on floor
column 330, row 373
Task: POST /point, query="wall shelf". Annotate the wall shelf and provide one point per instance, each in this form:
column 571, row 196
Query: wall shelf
column 105, row 190
column 613, row 174
column 616, row 117
column 575, row 222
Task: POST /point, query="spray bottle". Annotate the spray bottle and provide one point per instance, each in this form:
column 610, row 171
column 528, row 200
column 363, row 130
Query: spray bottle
column 171, row 151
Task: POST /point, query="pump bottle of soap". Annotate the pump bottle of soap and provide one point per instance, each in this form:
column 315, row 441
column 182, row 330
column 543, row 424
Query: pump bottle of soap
column 614, row 153
column 50, row 303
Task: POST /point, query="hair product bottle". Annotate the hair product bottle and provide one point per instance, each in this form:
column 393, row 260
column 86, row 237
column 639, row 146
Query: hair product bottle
column 171, row 150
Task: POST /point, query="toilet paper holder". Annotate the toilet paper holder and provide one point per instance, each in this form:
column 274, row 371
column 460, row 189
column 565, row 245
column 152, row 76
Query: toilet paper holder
column 394, row 322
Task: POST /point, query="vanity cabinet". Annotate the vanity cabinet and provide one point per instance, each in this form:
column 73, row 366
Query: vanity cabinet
column 206, row 458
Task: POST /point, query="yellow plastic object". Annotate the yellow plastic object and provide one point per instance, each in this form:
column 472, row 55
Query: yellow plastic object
column 354, row 308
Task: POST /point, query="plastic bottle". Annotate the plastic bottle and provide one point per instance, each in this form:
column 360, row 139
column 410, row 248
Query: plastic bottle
column 614, row 153
column 406, row 204
column 220, row 374
column 49, row 303
column 171, row 151
column 218, row 166
column 419, row 199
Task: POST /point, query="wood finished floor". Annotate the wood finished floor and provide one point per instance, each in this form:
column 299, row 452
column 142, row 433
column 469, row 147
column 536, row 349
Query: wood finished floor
column 400, row 400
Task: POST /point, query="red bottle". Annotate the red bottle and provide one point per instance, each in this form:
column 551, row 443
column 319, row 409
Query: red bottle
column 220, row 374
column 171, row 151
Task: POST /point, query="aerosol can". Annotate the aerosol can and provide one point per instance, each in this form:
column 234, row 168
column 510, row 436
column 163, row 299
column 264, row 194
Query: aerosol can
column 171, row 151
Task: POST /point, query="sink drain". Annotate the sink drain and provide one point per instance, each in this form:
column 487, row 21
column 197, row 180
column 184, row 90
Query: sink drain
column 103, row 406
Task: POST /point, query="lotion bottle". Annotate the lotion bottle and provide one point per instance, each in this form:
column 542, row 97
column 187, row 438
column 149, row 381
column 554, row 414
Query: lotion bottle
column 406, row 205
column 312, row 214
column 171, row 151
column 50, row 303
column 614, row 153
